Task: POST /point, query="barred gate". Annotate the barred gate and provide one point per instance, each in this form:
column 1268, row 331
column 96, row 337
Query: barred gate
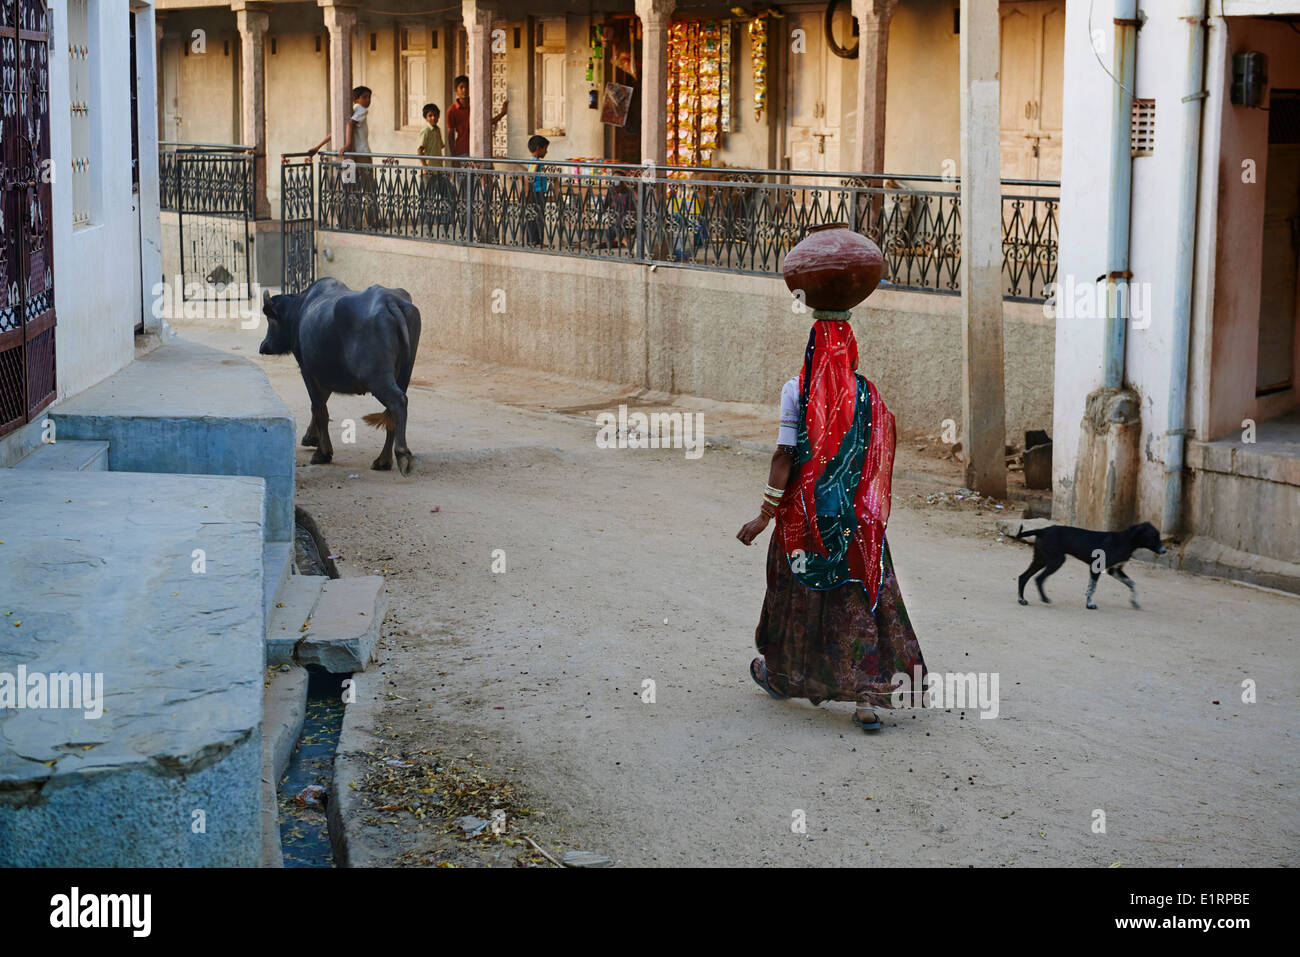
column 297, row 222
column 26, row 241
column 210, row 188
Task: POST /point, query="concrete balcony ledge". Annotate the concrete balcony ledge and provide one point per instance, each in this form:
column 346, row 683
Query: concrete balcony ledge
column 98, row 577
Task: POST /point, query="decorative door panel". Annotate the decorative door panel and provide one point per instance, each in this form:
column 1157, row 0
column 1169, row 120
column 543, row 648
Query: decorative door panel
column 1030, row 79
column 27, row 361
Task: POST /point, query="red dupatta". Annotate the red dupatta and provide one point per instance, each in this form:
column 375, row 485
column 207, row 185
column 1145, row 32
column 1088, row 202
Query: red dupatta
column 830, row 392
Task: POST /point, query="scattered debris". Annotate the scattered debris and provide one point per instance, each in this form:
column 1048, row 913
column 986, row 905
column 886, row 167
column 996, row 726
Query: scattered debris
column 542, row 851
column 586, row 859
column 415, row 788
column 471, row 825
column 313, row 795
column 960, row 498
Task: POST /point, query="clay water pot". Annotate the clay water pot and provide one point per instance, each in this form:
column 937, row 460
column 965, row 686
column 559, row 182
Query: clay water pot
column 835, row 267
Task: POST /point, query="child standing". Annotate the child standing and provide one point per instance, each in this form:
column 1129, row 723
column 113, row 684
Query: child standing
column 538, row 186
column 434, row 188
column 431, row 137
column 357, row 141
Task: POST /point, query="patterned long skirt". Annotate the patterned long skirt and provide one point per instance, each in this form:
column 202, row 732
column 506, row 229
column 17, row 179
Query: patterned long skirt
column 829, row 645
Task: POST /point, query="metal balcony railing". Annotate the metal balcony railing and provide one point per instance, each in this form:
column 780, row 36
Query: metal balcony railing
column 213, row 179
column 730, row 220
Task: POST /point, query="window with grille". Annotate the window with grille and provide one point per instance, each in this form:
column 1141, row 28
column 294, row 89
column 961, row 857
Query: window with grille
column 1142, row 136
column 80, row 60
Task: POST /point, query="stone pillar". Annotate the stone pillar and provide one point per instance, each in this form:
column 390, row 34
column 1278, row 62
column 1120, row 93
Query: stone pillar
column 655, row 17
column 873, row 18
column 983, row 396
column 477, row 16
column 340, row 21
column 253, row 20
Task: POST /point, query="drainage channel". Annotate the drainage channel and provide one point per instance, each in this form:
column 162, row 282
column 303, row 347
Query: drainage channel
column 304, row 788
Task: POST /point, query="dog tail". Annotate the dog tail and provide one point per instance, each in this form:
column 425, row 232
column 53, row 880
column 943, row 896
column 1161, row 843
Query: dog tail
column 379, row 420
column 1023, row 533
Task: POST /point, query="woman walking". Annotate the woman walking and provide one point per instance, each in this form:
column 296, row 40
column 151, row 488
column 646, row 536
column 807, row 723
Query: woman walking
column 833, row 625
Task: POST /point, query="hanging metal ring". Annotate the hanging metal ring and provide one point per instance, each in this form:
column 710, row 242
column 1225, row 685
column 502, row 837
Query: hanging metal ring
column 839, row 51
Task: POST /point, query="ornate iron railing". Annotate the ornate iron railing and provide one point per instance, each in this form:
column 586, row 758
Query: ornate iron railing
column 212, row 179
column 731, row 220
column 297, row 222
column 211, row 188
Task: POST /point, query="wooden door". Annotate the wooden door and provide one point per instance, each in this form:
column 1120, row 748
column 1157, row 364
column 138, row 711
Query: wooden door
column 553, row 92
column 1031, row 74
column 169, row 89
column 813, row 135
column 413, row 89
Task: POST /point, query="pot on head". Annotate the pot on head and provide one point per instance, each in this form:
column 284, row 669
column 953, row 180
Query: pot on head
column 833, row 267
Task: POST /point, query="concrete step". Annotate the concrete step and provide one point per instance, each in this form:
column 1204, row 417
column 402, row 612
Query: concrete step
column 68, row 456
column 96, row 570
column 277, row 566
column 344, row 627
column 284, row 710
column 293, row 606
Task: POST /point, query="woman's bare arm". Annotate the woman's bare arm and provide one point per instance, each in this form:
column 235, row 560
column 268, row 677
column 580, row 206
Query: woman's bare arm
column 778, row 475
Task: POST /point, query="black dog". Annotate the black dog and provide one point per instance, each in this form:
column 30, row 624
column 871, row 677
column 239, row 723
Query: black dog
column 1100, row 550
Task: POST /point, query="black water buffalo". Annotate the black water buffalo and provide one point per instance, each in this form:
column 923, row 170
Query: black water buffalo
column 353, row 343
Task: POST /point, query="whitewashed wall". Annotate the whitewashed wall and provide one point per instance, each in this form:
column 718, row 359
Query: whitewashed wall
column 98, row 290
column 1218, row 334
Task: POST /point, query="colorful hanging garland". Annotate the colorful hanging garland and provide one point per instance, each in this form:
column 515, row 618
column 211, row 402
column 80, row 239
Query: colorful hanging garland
column 758, row 44
column 699, row 90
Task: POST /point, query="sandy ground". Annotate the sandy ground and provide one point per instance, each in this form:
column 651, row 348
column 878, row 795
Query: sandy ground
column 622, row 566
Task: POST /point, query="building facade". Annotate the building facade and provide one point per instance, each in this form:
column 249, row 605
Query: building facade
column 82, row 236
column 786, row 92
column 1199, row 432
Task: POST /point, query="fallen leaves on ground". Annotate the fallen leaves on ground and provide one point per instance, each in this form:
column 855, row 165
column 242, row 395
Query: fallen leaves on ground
column 426, row 789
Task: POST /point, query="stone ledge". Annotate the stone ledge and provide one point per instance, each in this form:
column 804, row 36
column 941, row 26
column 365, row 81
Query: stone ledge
column 192, row 410
column 1201, row 555
column 97, row 571
column 346, row 807
column 344, row 626
column 286, row 621
column 1238, row 459
column 284, row 710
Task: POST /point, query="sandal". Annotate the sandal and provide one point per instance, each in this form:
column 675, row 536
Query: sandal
column 759, row 675
column 872, row 725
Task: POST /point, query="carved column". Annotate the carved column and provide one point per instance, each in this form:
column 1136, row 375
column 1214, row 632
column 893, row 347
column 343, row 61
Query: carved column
column 253, row 21
column 478, row 25
column 340, row 20
column 873, row 18
column 656, row 16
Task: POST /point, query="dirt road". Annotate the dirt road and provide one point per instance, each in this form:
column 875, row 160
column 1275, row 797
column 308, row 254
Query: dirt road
column 621, row 566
